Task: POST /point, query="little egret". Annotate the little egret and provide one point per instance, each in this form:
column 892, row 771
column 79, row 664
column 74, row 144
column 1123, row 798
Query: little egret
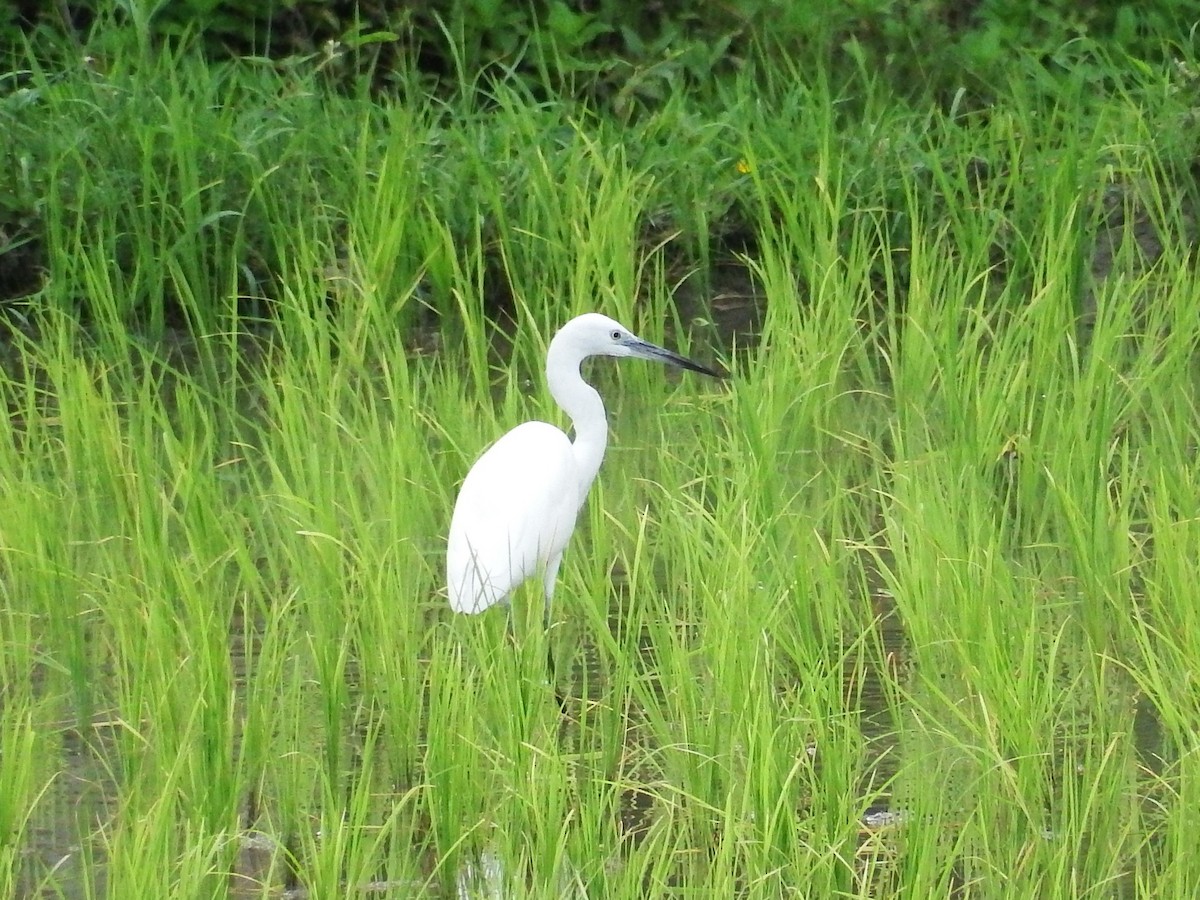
column 517, row 507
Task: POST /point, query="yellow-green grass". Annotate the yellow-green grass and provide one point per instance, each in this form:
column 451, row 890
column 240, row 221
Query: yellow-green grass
column 933, row 547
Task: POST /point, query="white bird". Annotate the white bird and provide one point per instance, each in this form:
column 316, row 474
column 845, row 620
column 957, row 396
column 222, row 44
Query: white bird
column 516, row 509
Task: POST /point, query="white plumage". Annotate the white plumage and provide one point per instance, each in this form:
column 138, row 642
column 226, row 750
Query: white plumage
column 517, row 508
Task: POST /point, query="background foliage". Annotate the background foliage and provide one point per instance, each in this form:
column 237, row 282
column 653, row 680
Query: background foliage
column 626, row 50
column 616, row 61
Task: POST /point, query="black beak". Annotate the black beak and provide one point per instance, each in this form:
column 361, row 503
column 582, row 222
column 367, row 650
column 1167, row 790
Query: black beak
column 646, row 350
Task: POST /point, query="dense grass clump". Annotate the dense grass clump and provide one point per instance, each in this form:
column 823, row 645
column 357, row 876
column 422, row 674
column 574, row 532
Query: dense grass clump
column 904, row 609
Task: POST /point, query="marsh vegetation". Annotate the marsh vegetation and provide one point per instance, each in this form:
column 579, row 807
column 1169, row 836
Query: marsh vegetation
column 906, row 608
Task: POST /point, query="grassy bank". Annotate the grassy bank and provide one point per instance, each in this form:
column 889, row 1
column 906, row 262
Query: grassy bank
column 931, row 549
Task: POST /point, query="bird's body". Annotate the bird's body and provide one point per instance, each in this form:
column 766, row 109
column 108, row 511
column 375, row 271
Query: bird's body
column 517, row 507
column 492, row 553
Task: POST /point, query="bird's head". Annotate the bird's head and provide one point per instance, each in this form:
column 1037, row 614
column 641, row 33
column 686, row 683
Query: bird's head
column 593, row 334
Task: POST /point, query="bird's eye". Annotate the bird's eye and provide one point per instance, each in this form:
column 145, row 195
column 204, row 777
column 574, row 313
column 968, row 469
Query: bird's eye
column 616, row 335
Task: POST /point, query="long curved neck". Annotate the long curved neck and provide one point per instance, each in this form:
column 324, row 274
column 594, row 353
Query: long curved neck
column 580, row 401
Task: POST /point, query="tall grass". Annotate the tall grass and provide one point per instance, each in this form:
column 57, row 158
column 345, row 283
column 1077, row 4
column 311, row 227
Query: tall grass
column 930, row 549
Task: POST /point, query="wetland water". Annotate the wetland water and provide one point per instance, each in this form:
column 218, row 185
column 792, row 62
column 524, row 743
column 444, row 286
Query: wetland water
column 63, row 853
column 80, row 799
